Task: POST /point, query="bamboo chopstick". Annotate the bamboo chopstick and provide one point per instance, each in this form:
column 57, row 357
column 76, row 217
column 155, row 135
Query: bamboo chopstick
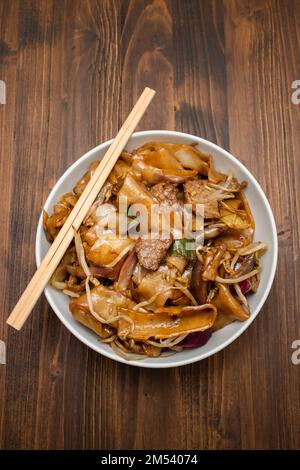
column 58, row 248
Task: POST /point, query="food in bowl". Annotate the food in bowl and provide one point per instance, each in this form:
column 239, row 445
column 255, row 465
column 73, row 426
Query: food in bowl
column 151, row 292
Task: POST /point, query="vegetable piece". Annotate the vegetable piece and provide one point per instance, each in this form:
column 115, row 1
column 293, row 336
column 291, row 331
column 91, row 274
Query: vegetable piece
column 96, row 271
column 197, row 339
column 183, row 247
column 245, row 286
column 81, row 255
column 167, row 342
column 233, row 220
column 180, row 196
column 126, row 271
column 130, row 212
column 244, row 265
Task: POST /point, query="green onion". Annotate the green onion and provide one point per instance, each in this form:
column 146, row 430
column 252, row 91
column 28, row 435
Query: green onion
column 180, row 195
column 182, row 247
column 130, row 212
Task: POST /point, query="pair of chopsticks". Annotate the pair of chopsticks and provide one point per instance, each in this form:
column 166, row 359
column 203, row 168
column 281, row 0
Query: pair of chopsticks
column 58, row 248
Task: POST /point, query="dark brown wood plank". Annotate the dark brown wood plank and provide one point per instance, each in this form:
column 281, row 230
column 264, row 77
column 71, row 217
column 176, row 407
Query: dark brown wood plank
column 8, row 46
column 263, row 122
column 201, row 109
column 223, row 70
column 59, row 60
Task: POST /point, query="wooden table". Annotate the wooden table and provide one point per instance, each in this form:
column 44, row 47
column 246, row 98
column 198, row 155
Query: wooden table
column 223, row 70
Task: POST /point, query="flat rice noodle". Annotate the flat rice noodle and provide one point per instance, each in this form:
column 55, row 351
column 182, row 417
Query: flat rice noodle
column 235, row 186
column 228, row 305
column 221, row 321
column 198, row 287
column 213, row 175
column 163, row 325
column 85, row 318
column 188, row 156
column 154, row 175
column 136, row 192
column 81, row 184
column 181, row 175
column 103, row 249
column 157, row 145
column 246, row 207
column 105, row 302
column 119, row 173
column 204, row 164
column 161, row 158
column 212, row 261
column 53, row 223
column 60, row 274
column 235, row 239
column 156, row 283
column 126, row 157
column 178, row 310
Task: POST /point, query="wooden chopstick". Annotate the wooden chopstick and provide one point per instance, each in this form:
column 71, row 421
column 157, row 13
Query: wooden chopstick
column 58, row 248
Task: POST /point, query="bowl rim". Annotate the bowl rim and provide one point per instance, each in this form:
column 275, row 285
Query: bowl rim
column 198, row 356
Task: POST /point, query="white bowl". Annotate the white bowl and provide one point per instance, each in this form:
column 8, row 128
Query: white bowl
column 265, row 231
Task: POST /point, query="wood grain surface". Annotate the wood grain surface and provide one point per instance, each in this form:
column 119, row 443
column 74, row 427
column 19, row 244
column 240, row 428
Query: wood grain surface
column 224, row 71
